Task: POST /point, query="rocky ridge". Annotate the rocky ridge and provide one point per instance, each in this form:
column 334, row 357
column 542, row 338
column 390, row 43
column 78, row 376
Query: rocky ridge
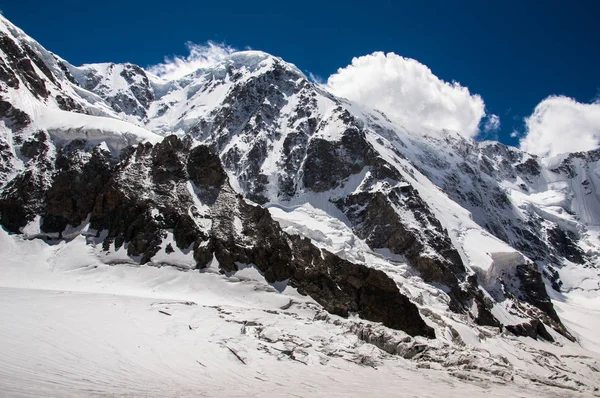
column 252, row 130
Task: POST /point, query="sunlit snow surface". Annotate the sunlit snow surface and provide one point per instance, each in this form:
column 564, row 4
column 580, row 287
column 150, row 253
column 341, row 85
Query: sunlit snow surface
column 93, row 344
column 75, row 326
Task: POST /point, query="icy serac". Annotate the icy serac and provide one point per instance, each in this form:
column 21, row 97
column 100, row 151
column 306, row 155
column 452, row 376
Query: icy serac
column 247, row 162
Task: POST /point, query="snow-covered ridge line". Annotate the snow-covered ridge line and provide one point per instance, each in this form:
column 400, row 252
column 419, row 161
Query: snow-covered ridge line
column 250, row 101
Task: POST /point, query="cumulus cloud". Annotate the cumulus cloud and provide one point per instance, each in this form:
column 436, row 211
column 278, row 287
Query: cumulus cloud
column 199, row 56
column 405, row 88
column 492, row 123
column 560, row 124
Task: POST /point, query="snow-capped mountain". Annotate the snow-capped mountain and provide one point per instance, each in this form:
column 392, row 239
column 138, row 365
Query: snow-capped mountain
column 426, row 245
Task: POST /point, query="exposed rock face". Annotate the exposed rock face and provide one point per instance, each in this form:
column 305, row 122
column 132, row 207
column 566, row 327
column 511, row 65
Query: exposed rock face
column 80, row 176
column 564, row 243
column 135, row 200
column 533, row 329
column 132, row 98
column 22, row 60
column 13, row 117
column 535, row 291
column 68, row 104
column 311, row 163
column 479, row 183
column 327, row 163
column 22, row 198
column 381, row 226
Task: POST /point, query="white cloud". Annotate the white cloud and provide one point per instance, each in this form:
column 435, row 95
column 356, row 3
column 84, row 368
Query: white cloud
column 200, row 56
column 561, row 124
column 492, row 123
column 404, row 88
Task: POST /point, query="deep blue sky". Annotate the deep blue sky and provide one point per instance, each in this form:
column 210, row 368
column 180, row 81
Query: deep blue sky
column 513, row 53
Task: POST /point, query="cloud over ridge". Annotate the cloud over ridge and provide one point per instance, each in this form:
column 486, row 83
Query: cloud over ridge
column 560, row 124
column 405, row 88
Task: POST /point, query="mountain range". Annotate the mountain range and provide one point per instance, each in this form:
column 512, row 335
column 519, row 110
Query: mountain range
column 470, row 259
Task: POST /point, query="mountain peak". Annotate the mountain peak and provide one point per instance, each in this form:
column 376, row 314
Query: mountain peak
column 249, row 61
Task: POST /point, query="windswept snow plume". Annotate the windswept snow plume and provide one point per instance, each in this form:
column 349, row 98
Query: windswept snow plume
column 492, row 123
column 560, row 124
column 200, row 56
column 407, row 89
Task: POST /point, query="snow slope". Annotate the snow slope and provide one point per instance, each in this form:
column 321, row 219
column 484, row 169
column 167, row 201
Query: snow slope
column 79, row 327
column 82, row 344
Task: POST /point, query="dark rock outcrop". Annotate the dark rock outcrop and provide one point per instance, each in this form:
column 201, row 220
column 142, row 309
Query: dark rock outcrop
column 22, row 198
column 533, row 291
column 14, row 118
column 20, row 59
column 533, row 329
column 137, row 199
column 327, row 163
column 377, row 221
column 564, row 243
